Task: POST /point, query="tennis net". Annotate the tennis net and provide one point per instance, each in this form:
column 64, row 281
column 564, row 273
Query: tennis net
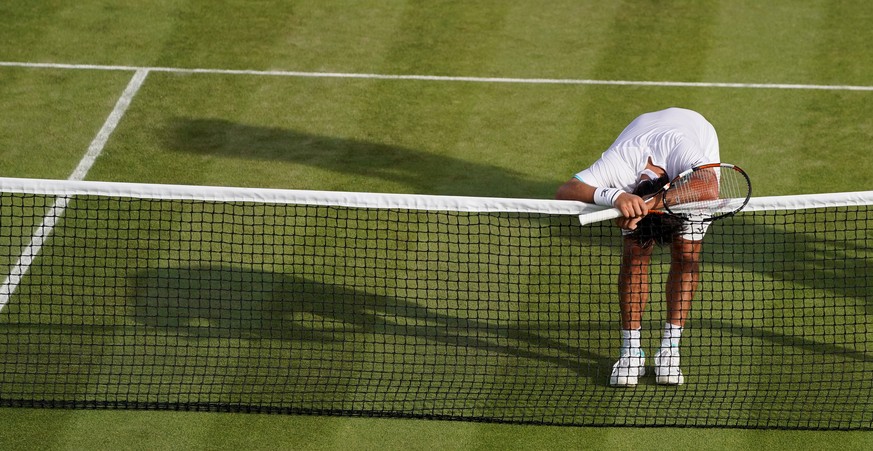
column 144, row 296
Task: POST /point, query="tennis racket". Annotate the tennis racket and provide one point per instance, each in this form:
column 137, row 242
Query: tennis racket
column 703, row 193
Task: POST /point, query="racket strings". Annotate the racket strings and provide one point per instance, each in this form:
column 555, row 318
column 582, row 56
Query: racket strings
column 708, row 192
column 694, row 188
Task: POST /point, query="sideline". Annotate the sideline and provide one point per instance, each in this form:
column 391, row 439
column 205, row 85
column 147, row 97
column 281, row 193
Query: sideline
column 10, row 284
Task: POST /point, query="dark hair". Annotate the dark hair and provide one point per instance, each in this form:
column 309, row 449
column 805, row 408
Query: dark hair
column 655, row 228
column 649, row 187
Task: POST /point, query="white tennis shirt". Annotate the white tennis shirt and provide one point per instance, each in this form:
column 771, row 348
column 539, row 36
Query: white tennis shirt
column 675, row 139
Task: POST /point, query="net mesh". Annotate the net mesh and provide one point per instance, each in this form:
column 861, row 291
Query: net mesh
column 288, row 307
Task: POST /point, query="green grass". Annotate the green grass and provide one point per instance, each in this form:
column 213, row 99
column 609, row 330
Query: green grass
column 64, row 429
column 423, row 137
column 30, row 138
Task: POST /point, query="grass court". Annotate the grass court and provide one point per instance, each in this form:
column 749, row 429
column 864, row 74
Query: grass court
column 484, row 98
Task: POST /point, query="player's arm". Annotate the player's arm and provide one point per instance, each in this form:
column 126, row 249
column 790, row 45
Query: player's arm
column 575, row 189
column 631, row 206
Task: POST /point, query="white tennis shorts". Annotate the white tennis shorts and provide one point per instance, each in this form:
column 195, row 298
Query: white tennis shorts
column 691, row 231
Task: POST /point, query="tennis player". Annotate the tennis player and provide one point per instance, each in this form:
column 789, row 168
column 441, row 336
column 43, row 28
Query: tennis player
column 653, row 149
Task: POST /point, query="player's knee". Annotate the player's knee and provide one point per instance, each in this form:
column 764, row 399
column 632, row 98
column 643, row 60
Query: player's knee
column 686, row 253
column 634, row 249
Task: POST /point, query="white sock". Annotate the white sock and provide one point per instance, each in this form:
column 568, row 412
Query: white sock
column 630, row 341
column 672, row 334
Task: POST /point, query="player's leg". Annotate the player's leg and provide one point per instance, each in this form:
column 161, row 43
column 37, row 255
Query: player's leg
column 633, row 283
column 681, row 285
column 633, row 286
column 683, row 279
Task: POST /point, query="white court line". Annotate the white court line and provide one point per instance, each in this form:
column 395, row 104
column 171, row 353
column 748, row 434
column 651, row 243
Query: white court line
column 57, row 210
column 557, row 81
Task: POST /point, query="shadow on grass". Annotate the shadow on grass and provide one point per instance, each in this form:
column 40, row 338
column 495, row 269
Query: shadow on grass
column 235, row 303
column 808, row 257
column 421, row 171
column 807, row 345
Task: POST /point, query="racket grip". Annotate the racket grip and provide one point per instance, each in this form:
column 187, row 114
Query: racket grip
column 603, row 215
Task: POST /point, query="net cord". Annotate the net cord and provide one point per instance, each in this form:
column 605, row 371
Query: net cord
column 380, row 200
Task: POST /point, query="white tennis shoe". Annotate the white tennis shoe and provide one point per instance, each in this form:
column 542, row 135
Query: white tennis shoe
column 629, row 368
column 667, row 370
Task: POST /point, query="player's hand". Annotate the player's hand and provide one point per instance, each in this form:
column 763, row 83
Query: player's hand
column 633, row 208
column 628, row 223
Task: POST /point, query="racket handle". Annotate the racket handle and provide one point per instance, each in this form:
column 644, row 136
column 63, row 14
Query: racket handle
column 611, row 213
column 603, row 215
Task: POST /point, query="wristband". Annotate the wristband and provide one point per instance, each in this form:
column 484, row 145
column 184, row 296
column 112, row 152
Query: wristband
column 606, row 196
